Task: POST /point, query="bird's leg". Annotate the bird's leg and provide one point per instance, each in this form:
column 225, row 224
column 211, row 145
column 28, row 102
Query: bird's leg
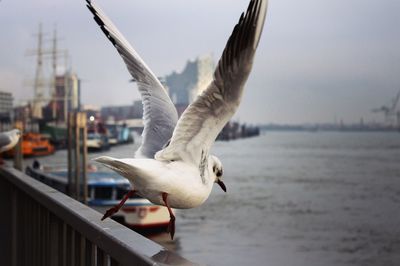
column 171, row 226
column 116, row 208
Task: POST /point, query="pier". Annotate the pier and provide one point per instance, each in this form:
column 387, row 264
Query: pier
column 42, row 226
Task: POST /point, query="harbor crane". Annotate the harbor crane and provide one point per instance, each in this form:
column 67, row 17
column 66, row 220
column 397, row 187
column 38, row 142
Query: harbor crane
column 390, row 112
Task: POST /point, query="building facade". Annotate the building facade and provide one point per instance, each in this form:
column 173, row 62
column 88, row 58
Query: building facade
column 66, row 98
column 185, row 86
column 6, row 110
column 118, row 113
column 6, row 103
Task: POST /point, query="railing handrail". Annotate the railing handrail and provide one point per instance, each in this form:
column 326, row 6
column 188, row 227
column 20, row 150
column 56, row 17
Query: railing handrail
column 121, row 243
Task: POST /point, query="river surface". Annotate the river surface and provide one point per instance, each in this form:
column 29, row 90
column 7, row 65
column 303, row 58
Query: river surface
column 295, row 198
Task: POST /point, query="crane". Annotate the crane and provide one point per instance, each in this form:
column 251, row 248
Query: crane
column 390, row 111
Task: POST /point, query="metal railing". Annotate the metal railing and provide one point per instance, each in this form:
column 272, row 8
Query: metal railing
column 41, row 226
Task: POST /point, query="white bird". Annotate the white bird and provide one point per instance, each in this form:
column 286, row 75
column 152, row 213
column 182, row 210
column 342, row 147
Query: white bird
column 173, row 166
column 9, row 139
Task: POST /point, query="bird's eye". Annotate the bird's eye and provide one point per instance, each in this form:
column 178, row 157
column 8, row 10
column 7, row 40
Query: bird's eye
column 214, row 168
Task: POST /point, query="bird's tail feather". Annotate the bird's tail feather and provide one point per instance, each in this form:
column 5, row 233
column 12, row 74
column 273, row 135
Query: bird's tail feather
column 124, row 169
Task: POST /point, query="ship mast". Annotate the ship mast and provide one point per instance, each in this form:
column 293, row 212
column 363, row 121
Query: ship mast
column 39, row 82
column 54, row 80
column 52, row 98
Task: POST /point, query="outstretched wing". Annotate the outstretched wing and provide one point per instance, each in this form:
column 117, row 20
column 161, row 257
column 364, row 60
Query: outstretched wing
column 201, row 122
column 159, row 113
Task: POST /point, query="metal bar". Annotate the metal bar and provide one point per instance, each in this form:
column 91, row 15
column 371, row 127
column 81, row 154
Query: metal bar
column 68, row 245
column 84, row 158
column 113, row 262
column 77, row 158
column 14, row 227
column 70, row 158
column 82, row 251
column 18, row 149
column 77, row 248
column 23, row 207
column 35, row 224
column 89, row 253
column 100, row 257
column 72, row 247
column 40, row 235
column 94, row 254
column 103, row 259
column 54, row 248
column 47, row 236
column 60, row 233
column 64, row 245
column 29, row 231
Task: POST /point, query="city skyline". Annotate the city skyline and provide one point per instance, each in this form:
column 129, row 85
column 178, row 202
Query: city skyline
column 316, row 61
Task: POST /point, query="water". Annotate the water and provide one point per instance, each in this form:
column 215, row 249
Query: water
column 296, row 199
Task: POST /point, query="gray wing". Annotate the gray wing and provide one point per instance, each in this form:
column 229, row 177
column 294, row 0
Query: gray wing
column 159, row 113
column 201, row 122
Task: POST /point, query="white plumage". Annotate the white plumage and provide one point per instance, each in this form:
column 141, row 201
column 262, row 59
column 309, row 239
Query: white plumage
column 9, row 139
column 173, row 166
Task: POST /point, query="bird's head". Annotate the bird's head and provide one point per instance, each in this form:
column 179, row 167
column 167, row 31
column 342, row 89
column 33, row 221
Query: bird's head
column 15, row 134
column 217, row 170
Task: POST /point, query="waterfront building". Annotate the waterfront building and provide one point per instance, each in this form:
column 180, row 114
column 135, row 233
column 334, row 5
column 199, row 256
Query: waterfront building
column 6, row 106
column 185, row 86
column 124, row 112
column 65, row 98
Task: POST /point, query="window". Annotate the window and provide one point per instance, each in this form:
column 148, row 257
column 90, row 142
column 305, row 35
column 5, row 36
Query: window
column 103, row 193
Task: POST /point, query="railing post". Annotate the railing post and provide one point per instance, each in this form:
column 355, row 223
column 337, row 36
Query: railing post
column 71, row 146
column 77, row 156
column 7, row 237
column 18, row 148
column 14, row 227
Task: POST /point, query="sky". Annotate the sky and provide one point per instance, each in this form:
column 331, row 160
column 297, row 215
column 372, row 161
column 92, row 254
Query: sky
column 317, row 61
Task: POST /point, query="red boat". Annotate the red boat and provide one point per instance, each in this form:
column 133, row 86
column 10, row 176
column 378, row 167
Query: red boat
column 34, row 144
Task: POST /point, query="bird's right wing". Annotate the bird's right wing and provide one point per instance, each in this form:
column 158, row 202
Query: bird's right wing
column 201, row 122
column 159, row 113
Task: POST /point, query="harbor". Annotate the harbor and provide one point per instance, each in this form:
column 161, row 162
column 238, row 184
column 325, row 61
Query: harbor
column 331, row 212
column 210, row 133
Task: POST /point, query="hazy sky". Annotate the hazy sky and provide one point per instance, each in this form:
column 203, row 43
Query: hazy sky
column 317, row 59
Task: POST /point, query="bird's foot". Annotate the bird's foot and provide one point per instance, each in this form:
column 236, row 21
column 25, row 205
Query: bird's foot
column 171, row 227
column 116, row 208
column 110, row 212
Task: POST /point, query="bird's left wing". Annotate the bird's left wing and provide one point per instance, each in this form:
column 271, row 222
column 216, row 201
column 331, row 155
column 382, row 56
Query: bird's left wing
column 201, row 122
column 159, row 113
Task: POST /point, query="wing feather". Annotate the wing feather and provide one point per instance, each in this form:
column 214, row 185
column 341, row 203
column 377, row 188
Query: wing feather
column 159, row 113
column 201, row 122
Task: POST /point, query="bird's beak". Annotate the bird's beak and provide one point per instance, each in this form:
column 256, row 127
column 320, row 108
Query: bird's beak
column 222, row 185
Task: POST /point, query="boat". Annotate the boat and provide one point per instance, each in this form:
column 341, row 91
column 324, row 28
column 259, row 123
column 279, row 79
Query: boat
column 97, row 136
column 105, row 190
column 34, row 144
column 119, row 134
column 97, row 141
column 57, row 132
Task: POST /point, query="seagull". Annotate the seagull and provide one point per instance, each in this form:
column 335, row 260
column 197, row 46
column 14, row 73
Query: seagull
column 9, row 139
column 173, row 166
